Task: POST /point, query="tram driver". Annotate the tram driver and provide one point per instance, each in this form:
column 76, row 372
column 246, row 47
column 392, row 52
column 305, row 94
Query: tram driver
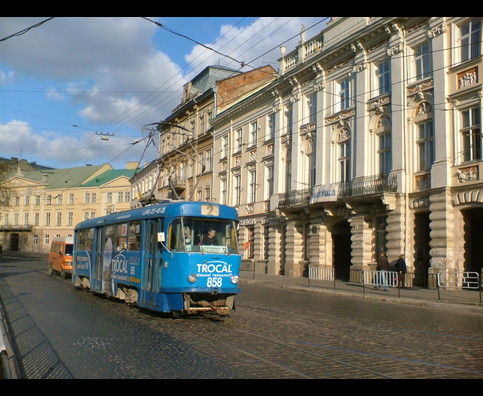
column 209, row 238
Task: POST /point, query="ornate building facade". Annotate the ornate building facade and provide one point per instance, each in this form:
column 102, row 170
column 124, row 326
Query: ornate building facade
column 369, row 140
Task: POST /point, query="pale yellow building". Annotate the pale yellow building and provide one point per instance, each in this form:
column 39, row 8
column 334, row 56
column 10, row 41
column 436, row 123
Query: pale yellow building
column 46, row 203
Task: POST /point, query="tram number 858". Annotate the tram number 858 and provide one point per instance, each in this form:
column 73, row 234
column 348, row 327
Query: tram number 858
column 214, row 282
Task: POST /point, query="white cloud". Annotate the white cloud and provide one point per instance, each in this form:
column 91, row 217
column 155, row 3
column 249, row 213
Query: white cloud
column 5, row 77
column 257, row 44
column 111, row 71
column 114, row 58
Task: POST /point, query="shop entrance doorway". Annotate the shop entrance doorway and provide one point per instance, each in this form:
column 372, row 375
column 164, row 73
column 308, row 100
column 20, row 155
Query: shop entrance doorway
column 342, row 251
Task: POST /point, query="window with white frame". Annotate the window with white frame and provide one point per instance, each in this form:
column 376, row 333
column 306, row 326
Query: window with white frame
column 344, row 159
column 383, row 76
column 237, row 188
column 288, row 169
column 208, row 160
column 224, row 146
column 223, row 190
column 289, row 119
column 271, row 127
column 385, row 153
column 312, row 168
column 268, row 190
column 425, row 144
column 422, row 61
column 471, row 134
column 252, row 192
column 470, row 39
column 238, row 140
column 344, row 95
column 253, row 133
column 311, row 108
column 70, row 218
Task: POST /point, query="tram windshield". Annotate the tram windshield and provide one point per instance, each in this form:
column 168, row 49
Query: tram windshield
column 215, row 236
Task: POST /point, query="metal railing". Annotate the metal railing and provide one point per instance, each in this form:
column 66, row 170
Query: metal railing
column 357, row 187
column 443, row 281
column 459, row 280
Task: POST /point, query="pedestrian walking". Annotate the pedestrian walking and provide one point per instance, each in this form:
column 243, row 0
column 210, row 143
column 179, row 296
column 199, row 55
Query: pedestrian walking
column 382, row 268
column 401, row 271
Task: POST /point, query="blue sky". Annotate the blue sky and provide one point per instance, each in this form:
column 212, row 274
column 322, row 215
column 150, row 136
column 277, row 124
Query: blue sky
column 65, row 82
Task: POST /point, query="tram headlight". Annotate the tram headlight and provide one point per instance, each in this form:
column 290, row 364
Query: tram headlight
column 192, row 278
column 234, row 279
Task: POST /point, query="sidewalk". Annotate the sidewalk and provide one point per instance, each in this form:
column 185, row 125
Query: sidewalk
column 414, row 295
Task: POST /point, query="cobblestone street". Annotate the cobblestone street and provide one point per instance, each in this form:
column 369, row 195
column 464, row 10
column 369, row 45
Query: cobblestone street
column 276, row 332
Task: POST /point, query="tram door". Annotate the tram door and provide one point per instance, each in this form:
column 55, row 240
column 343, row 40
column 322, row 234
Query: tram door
column 152, row 275
column 96, row 275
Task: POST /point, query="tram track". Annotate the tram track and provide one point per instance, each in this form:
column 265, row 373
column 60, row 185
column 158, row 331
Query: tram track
column 272, row 357
column 259, row 342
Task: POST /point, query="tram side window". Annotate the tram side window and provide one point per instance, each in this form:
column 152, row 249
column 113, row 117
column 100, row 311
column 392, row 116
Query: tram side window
column 85, row 239
column 175, row 236
column 110, row 238
column 134, row 237
column 120, row 236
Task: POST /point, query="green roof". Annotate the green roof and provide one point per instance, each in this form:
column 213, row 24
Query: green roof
column 70, row 177
column 108, row 176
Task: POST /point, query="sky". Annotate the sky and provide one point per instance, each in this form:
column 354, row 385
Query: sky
column 81, row 90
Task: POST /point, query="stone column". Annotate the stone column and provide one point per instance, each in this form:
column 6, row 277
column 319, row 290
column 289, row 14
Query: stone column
column 274, row 249
column 442, row 234
column 294, row 243
column 396, row 230
column 361, row 238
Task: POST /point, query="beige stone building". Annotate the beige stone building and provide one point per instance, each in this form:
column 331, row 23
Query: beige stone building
column 186, row 136
column 369, row 140
column 45, row 203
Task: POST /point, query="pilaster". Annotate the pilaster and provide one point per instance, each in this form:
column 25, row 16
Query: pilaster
column 361, row 238
column 294, row 241
column 442, row 234
column 274, row 250
column 396, row 229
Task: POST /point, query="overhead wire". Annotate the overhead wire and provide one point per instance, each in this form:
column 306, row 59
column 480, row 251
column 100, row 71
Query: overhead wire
column 23, row 31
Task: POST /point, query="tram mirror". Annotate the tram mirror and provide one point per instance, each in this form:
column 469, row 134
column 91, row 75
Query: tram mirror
column 161, row 237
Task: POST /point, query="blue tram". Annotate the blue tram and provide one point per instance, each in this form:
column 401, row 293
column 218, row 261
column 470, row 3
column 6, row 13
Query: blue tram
column 170, row 257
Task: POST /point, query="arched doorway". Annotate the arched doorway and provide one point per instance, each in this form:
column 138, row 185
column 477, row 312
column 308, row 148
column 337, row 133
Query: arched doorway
column 341, row 248
column 473, row 237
